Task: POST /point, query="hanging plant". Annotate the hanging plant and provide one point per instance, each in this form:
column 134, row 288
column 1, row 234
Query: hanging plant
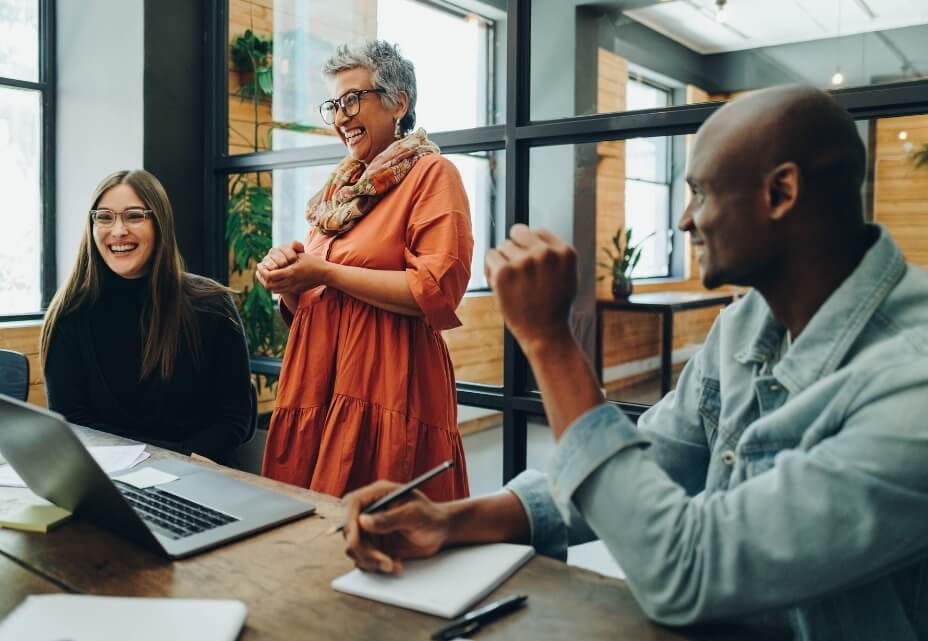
column 252, row 54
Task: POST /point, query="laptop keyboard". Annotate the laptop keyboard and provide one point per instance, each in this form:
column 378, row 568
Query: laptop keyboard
column 171, row 515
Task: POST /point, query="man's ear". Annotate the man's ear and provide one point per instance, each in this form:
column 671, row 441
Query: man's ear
column 782, row 189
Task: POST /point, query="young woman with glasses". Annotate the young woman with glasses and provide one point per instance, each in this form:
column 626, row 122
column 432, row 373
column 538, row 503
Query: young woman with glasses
column 134, row 345
column 367, row 385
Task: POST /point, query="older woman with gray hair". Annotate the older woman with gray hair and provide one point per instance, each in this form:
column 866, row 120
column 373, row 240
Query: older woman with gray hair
column 367, row 385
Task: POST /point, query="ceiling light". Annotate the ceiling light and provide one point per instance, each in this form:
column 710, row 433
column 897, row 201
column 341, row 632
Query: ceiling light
column 903, row 135
column 721, row 11
column 838, row 78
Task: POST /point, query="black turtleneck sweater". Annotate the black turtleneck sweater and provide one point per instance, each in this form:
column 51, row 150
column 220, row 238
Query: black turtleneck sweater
column 94, row 363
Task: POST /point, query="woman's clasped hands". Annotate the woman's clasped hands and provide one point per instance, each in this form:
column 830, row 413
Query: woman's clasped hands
column 288, row 270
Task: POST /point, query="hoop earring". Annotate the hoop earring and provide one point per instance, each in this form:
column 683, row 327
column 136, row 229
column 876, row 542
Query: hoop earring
column 396, row 130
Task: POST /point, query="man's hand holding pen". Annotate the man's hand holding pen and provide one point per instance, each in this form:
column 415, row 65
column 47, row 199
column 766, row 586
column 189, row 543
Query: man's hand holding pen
column 413, row 527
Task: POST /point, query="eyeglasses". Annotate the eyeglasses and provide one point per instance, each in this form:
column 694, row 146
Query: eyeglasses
column 130, row 217
column 350, row 104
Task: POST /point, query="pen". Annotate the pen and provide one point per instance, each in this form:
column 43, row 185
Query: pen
column 476, row 618
column 400, row 492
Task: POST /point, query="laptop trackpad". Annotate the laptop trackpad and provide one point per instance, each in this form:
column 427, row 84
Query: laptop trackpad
column 213, row 489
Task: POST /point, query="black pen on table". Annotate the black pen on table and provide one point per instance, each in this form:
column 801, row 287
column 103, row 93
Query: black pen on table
column 400, row 492
column 472, row 621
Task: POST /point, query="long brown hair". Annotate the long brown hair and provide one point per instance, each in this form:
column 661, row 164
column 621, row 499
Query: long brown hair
column 173, row 295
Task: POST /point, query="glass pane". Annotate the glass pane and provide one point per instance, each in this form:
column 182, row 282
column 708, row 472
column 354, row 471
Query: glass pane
column 600, row 196
column 482, row 433
column 591, row 58
column 647, row 214
column 20, row 173
column 646, row 159
column 897, row 197
column 484, row 181
column 19, row 39
column 275, row 79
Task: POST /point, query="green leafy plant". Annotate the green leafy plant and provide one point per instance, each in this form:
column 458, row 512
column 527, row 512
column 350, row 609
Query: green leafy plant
column 253, row 53
column 248, row 235
column 249, row 208
column 920, row 157
column 623, row 256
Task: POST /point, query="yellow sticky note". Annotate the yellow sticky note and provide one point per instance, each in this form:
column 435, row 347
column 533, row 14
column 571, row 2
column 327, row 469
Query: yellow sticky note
column 34, row 518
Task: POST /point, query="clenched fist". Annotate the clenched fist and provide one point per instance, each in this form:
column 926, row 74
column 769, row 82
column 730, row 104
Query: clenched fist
column 534, row 275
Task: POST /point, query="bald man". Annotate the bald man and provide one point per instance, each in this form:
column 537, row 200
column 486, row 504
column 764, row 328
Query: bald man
column 787, row 474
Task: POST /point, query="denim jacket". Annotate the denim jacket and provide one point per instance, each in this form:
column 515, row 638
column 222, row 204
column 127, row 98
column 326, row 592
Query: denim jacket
column 794, row 490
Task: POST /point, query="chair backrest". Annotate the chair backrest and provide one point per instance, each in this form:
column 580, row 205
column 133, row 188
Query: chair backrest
column 14, row 374
column 254, row 410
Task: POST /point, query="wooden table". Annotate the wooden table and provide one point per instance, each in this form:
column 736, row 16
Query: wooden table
column 665, row 304
column 283, row 577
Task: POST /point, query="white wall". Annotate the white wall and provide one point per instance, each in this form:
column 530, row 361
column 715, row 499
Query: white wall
column 100, row 102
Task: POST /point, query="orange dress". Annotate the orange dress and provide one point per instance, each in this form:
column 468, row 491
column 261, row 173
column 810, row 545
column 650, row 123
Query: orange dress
column 366, row 394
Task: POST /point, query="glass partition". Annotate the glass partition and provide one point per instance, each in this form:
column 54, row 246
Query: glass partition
column 691, row 51
column 277, row 49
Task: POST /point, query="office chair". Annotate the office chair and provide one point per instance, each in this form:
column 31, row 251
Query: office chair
column 245, row 455
column 14, row 374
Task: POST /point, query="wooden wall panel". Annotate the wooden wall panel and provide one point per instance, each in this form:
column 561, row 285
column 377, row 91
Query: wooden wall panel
column 612, row 79
column 24, row 337
column 900, row 192
column 476, row 347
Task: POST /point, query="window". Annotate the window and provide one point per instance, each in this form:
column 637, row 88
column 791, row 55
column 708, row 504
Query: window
column 570, row 175
column 275, row 79
column 275, row 51
column 25, row 106
column 647, row 186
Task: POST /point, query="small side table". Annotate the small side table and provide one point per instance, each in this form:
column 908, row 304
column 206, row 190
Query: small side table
column 665, row 304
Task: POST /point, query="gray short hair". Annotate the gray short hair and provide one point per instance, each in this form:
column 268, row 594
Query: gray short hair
column 390, row 70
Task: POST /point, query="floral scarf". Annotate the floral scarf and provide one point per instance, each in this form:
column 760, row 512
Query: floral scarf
column 353, row 188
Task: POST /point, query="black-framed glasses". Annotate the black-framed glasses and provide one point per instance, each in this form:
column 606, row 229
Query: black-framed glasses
column 349, row 103
column 131, row 217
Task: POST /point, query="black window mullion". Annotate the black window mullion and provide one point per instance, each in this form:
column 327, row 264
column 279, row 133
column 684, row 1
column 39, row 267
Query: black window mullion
column 216, row 143
column 47, row 78
column 518, row 90
column 28, row 84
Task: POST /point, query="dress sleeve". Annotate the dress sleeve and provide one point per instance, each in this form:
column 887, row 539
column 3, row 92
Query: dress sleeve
column 439, row 244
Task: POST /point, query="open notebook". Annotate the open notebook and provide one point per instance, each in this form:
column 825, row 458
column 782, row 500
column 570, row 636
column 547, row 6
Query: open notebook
column 445, row 585
column 95, row 618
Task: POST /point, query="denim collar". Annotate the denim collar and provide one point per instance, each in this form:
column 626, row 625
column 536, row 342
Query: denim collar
column 826, row 340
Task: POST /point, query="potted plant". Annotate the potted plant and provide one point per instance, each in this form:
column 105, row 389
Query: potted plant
column 623, row 257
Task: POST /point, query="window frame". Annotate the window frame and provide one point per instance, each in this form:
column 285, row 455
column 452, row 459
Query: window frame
column 669, row 271
column 517, row 136
column 46, row 87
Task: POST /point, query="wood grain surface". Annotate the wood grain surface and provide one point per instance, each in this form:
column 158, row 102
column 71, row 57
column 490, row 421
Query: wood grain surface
column 283, row 576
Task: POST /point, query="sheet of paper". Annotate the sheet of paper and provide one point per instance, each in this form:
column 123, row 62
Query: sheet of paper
column 446, row 585
column 17, row 498
column 146, row 477
column 114, row 458
column 93, row 618
column 594, row 556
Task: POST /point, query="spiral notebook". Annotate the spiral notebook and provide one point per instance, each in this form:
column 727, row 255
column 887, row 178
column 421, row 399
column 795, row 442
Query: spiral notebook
column 446, row 585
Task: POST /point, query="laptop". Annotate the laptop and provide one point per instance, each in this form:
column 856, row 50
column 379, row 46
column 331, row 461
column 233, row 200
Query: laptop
column 198, row 511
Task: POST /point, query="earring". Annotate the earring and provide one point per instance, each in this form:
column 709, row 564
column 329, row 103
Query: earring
column 396, row 130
